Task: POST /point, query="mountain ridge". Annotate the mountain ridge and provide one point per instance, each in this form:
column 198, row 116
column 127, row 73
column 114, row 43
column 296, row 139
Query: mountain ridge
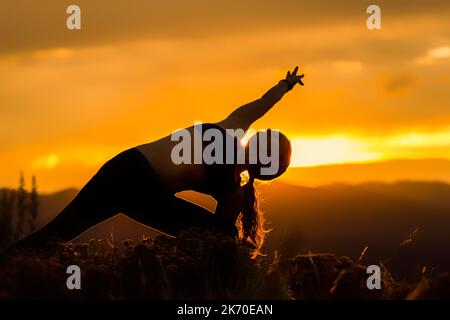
column 389, row 171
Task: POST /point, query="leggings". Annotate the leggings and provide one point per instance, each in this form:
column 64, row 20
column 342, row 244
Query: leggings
column 126, row 184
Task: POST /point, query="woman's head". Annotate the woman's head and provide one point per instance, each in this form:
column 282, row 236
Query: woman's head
column 271, row 152
column 268, row 154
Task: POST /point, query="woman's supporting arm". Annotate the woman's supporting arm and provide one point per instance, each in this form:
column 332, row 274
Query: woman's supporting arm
column 244, row 116
column 230, row 206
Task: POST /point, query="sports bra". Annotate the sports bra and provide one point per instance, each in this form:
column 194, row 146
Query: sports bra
column 220, row 178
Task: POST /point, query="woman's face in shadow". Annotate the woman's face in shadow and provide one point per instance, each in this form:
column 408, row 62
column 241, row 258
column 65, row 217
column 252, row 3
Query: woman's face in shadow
column 268, row 154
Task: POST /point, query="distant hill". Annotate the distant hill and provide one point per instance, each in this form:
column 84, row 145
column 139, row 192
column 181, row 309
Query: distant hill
column 339, row 219
column 51, row 204
column 386, row 171
column 344, row 219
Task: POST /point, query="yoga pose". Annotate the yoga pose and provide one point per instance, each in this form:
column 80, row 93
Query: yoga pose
column 142, row 182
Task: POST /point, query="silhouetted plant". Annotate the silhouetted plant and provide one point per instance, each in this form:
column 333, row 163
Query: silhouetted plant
column 34, row 204
column 6, row 216
column 196, row 265
column 18, row 211
column 21, row 207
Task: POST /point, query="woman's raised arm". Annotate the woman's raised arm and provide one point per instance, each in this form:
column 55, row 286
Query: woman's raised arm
column 243, row 117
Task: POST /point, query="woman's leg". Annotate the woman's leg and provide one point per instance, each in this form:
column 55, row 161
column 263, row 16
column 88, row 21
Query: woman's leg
column 126, row 184
column 96, row 202
column 172, row 215
column 146, row 200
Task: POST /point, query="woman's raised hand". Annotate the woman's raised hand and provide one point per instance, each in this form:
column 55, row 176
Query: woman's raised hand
column 292, row 78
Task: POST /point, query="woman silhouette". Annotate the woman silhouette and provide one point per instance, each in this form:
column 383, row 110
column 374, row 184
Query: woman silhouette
column 141, row 182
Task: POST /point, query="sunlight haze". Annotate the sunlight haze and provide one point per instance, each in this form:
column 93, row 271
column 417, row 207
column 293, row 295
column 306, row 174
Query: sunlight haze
column 70, row 100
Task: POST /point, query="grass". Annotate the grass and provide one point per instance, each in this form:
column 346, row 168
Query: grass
column 196, row 265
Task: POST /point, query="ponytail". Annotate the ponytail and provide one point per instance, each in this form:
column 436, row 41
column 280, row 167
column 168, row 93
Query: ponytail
column 251, row 219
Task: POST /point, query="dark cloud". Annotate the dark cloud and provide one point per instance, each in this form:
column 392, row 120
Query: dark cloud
column 399, row 83
column 29, row 25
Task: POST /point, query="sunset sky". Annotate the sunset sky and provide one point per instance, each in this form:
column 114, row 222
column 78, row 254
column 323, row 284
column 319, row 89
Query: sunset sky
column 137, row 70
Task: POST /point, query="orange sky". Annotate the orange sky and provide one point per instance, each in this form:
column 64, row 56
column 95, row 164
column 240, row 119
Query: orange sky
column 137, row 71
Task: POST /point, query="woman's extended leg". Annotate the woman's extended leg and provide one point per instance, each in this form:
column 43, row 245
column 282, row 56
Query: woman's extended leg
column 126, row 184
column 172, row 215
column 96, row 202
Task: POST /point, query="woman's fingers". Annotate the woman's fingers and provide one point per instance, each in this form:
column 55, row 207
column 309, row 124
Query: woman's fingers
column 294, row 77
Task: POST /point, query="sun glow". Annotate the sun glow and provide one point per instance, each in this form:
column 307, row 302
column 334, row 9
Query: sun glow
column 307, row 152
column 46, row 162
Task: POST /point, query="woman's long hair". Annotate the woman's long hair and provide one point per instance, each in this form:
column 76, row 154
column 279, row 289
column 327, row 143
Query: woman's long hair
column 251, row 219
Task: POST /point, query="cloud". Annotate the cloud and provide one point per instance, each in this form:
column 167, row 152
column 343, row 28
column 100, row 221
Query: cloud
column 56, row 53
column 348, row 66
column 433, row 55
column 399, row 83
